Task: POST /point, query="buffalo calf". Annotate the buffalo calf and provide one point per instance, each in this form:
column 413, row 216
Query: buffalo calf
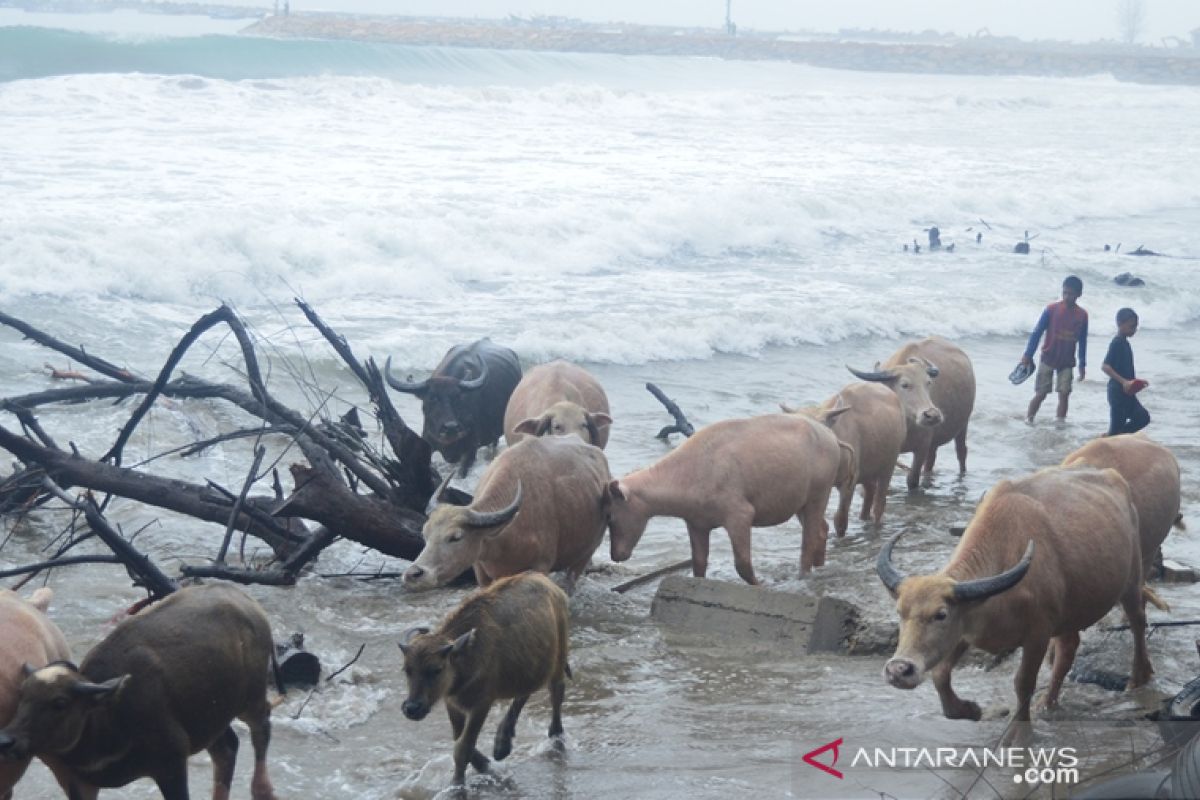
column 166, row 683
column 503, row 642
column 27, row 636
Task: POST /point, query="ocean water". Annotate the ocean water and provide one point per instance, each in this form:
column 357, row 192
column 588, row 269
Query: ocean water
column 732, row 231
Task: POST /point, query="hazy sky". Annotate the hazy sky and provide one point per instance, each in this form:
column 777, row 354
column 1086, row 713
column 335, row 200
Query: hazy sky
column 1079, row 20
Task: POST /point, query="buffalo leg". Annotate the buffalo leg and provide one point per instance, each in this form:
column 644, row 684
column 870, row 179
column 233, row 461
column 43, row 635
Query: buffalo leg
column 558, row 688
column 464, row 746
column 1024, row 682
column 930, row 457
column 813, row 537
column 224, row 756
column 457, row 720
column 841, row 517
column 1064, row 648
column 868, row 500
column 172, row 780
column 914, row 472
column 508, row 729
column 1133, row 601
column 259, row 722
column 699, row 540
column 960, row 449
column 79, row 791
column 953, row 706
column 880, row 498
column 740, row 537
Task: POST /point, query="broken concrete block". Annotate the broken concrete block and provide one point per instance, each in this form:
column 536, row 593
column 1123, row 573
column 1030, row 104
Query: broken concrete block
column 732, row 611
column 1174, row 572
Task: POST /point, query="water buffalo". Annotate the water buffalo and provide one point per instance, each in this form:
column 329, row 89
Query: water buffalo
column 27, row 636
column 1044, row 557
column 937, row 410
column 736, row 474
column 869, row 418
column 539, row 506
column 463, row 401
column 165, row 684
column 505, row 641
column 1153, row 477
column 558, row 398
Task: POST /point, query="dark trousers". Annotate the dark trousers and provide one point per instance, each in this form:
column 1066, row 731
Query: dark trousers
column 1125, row 412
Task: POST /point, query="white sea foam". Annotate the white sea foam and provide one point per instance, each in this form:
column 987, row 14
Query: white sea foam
column 599, row 208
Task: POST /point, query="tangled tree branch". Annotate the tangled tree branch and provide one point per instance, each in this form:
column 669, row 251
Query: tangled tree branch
column 328, row 490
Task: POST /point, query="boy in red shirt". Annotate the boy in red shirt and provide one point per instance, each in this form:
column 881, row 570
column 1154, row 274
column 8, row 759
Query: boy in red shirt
column 1065, row 324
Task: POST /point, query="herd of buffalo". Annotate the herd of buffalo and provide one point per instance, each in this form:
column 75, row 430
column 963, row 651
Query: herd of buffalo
column 1044, row 556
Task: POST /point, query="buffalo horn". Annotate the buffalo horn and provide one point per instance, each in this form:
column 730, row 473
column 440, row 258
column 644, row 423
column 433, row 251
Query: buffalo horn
column 440, row 495
column 877, row 376
column 411, row 634
column 477, row 381
column 883, row 565
column 983, row 588
column 401, row 386
column 88, row 688
column 487, row 519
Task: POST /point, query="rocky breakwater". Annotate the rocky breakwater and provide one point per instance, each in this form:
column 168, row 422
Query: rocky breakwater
column 975, row 56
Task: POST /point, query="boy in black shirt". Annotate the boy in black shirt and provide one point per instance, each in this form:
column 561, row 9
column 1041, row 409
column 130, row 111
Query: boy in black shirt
column 1126, row 414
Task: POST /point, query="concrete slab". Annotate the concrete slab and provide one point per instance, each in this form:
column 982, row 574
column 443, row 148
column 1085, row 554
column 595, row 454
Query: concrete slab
column 738, row 612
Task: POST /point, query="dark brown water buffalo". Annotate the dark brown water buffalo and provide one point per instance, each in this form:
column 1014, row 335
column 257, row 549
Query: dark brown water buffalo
column 505, row 641
column 27, row 636
column 1153, row 477
column 1044, row 557
column 935, row 382
column 737, row 474
column 163, row 685
column 560, row 399
column 541, row 505
column 463, row 401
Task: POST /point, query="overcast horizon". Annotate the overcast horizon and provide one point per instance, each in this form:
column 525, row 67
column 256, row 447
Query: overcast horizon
column 1074, row 20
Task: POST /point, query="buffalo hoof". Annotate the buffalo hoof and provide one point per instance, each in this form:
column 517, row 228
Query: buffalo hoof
column 502, row 748
column 964, row 709
column 1018, row 734
column 1140, row 677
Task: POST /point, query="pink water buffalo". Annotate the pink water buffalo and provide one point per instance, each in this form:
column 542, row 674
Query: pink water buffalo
column 736, row 474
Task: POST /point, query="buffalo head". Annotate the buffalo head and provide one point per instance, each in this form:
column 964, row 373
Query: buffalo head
column 430, row 663
column 54, row 708
column 934, row 611
column 910, row 381
column 454, row 535
column 565, row 418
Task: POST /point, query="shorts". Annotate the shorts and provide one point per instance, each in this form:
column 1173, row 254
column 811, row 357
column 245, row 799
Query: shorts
column 1062, row 384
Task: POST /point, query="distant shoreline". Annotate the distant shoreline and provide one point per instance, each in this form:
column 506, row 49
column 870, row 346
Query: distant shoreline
column 975, row 56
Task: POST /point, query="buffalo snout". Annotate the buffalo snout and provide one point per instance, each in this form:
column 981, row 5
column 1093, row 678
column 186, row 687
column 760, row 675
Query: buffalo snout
column 930, row 417
column 415, row 710
column 8, row 748
column 450, row 430
column 902, row 673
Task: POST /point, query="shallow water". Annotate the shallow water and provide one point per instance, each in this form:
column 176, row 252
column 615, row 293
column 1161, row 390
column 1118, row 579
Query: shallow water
column 650, row 714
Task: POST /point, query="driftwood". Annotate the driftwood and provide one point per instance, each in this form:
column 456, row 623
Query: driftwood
column 681, row 422
column 346, row 487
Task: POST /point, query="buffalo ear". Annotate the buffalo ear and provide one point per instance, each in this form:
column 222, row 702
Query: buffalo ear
column 615, row 491
column 529, row 426
column 600, row 419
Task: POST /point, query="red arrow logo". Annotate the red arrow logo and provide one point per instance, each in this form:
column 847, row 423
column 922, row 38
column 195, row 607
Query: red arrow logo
column 810, row 758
